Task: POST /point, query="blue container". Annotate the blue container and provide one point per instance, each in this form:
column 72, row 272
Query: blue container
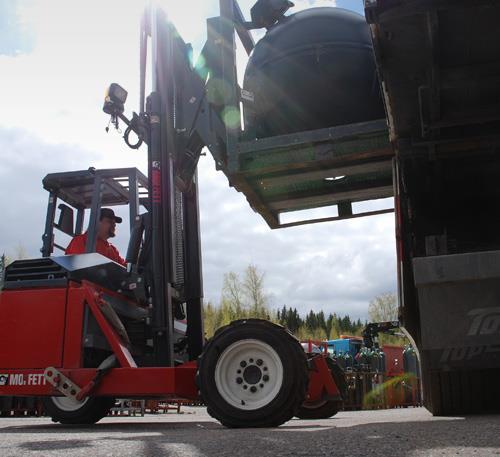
column 338, row 346
column 343, row 345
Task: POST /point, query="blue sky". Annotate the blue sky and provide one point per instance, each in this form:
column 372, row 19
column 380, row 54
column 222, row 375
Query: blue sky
column 57, row 58
column 15, row 37
column 354, row 5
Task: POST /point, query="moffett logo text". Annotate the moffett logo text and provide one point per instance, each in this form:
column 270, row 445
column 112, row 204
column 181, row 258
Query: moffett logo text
column 22, row 379
column 486, row 321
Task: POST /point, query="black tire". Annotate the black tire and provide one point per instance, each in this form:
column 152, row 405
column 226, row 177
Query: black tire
column 325, row 408
column 287, row 393
column 457, row 392
column 451, row 393
column 6, row 406
column 91, row 411
column 320, row 410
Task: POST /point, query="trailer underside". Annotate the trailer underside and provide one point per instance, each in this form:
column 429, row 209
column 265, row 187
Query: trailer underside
column 439, row 66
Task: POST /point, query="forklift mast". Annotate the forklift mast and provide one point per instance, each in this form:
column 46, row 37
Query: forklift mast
column 174, row 211
column 176, row 121
column 176, row 254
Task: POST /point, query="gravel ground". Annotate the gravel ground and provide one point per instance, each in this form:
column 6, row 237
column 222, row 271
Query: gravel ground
column 389, row 433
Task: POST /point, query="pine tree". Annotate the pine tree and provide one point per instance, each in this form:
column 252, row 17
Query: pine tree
column 3, row 265
column 329, row 326
column 283, row 316
column 322, row 322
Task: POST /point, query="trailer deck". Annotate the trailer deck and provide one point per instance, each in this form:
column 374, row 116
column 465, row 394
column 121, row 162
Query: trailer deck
column 334, row 166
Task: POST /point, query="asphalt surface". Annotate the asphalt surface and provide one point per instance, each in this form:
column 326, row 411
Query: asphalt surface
column 398, row 432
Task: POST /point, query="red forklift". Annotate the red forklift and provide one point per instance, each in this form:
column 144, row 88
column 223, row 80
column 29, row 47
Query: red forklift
column 82, row 330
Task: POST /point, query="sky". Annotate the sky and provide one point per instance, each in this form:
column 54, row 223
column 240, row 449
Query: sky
column 56, row 59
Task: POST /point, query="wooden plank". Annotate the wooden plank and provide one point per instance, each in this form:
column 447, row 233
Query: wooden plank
column 331, row 198
column 298, row 177
column 341, row 132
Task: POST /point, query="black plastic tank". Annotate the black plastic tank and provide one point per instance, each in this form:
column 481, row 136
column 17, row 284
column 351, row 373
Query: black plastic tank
column 382, row 361
column 312, row 69
column 410, row 361
column 375, row 361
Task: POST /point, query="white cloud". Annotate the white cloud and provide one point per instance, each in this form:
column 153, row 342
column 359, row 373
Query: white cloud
column 26, row 159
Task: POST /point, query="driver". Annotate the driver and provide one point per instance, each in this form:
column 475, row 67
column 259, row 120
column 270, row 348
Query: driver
column 105, row 230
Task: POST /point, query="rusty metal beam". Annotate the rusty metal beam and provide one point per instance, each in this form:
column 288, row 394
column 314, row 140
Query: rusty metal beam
column 336, row 218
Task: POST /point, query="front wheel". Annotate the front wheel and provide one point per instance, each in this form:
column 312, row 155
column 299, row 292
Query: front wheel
column 253, row 373
column 325, row 408
column 69, row 411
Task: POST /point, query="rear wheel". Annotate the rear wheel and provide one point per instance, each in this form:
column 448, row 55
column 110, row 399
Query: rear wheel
column 253, row 373
column 69, row 411
column 325, row 408
column 6, row 406
column 449, row 393
column 454, row 392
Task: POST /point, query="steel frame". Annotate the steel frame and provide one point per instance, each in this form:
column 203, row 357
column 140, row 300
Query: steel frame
column 69, row 187
column 128, row 380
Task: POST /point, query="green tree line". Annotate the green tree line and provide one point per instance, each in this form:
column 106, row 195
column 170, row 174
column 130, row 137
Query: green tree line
column 317, row 325
column 4, row 261
column 245, row 297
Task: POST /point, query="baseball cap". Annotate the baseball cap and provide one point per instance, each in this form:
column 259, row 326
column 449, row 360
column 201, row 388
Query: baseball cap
column 108, row 212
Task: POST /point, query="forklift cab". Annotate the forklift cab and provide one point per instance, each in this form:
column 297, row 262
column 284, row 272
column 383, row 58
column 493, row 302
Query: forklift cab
column 77, row 192
column 89, row 190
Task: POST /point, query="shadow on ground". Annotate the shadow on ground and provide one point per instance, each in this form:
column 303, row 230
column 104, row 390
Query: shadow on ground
column 296, row 438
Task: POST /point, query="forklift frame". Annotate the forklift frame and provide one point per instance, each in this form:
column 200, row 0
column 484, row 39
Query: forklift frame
column 180, row 120
column 91, row 189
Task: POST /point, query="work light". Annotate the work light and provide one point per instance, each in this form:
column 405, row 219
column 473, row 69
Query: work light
column 114, row 101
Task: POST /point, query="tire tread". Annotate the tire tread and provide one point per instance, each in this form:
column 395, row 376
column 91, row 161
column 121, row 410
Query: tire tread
column 90, row 413
column 299, row 391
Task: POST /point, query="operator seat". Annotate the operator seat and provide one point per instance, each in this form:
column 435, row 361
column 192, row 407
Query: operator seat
column 140, row 243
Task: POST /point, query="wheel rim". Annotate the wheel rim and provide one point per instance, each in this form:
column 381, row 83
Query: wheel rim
column 68, row 404
column 249, row 374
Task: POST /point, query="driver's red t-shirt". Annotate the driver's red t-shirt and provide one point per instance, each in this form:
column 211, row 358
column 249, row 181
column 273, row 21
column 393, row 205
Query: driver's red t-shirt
column 77, row 246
